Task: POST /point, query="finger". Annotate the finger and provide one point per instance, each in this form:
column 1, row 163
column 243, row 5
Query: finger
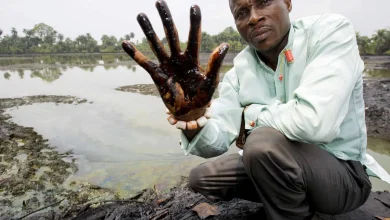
column 192, row 125
column 153, row 69
column 195, row 35
column 174, row 97
column 215, row 61
column 154, row 41
column 169, row 27
column 172, row 120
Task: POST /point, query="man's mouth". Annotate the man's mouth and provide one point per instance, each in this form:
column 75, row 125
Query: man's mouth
column 261, row 33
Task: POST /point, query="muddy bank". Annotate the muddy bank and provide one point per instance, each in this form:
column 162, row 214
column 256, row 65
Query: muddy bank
column 32, row 173
column 181, row 203
column 376, row 97
column 377, row 100
column 376, row 62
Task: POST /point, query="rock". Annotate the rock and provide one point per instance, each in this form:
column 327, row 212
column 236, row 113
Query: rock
column 31, row 204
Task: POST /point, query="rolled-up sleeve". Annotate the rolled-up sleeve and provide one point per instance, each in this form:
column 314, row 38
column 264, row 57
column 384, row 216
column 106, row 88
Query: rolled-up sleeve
column 320, row 103
column 222, row 129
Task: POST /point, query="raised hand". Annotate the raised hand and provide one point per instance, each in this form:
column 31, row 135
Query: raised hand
column 185, row 88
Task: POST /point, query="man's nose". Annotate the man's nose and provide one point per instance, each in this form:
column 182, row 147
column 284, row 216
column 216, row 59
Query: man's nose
column 255, row 16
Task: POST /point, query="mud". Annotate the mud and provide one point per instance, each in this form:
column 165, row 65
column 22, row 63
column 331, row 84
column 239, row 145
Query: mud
column 376, row 62
column 179, row 203
column 377, row 100
column 376, row 96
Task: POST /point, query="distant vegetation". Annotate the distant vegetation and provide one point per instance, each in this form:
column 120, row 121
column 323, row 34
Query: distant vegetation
column 44, row 39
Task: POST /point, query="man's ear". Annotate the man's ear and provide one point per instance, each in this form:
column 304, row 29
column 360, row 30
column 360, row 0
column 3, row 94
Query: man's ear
column 288, row 4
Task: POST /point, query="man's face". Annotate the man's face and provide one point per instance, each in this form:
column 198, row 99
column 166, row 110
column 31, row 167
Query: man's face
column 262, row 23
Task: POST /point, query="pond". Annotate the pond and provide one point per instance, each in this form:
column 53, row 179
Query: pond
column 121, row 140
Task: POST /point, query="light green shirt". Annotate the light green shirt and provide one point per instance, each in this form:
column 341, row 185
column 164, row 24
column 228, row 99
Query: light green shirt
column 319, row 99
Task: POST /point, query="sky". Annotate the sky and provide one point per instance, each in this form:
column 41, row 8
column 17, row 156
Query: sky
column 118, row 17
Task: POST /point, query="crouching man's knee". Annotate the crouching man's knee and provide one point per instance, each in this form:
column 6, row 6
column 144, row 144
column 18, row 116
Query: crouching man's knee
column 194, row 179
column 263, row 145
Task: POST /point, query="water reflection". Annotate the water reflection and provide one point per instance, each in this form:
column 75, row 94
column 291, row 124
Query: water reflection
column 379, row 146
column 380, row 73
column 48, row 75
column 53, row 73
column 70, row 60
column 7, row 75
column 88, row 63
column 21, row 73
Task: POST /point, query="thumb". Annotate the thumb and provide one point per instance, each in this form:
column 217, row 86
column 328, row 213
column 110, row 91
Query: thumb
column 215, row 60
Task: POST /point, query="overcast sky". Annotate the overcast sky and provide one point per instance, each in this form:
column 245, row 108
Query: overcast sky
column 118, row 17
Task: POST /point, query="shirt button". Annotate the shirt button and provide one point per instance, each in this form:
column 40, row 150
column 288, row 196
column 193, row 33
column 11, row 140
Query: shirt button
column 280, row 77
column 252, row 124
column 180, row 142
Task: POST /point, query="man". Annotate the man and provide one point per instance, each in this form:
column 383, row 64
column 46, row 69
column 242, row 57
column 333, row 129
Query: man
column 298, row 90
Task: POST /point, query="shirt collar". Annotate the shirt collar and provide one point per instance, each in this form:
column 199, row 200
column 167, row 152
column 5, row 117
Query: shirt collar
column 290, row 42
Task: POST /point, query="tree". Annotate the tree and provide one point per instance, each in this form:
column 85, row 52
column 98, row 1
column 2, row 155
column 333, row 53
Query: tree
column 382, row 41
column 86, row 44
column 42, row 38
column 30, row 41
column 207, row 44
column 14, row 33
column 129, row 36
column 109, row 44
column 46, row 33
column 364, row 44
column 60, row 37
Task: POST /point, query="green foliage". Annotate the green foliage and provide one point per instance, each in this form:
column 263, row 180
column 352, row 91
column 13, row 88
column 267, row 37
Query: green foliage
column 43, row 38
column 7, row 75
column 378, row 44
column 109, row 44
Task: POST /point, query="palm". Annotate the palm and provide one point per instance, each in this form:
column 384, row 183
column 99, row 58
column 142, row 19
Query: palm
column 184, row 86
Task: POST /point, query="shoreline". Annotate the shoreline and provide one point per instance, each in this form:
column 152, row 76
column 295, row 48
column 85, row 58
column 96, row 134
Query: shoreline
column 371, row 62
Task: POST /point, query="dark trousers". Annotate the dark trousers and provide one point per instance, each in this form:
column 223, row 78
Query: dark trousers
column 293, row 180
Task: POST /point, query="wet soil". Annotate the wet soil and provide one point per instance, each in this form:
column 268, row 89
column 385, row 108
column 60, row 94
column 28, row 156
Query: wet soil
column 180, row 203
column 377, row 100
column 376, row 97
column 376, row 62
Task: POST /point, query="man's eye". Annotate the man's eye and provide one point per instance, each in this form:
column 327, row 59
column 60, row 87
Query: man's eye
column 263, row 2
column 241, row 13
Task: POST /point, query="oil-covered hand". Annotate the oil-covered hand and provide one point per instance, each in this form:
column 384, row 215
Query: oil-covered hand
column 185, row 88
